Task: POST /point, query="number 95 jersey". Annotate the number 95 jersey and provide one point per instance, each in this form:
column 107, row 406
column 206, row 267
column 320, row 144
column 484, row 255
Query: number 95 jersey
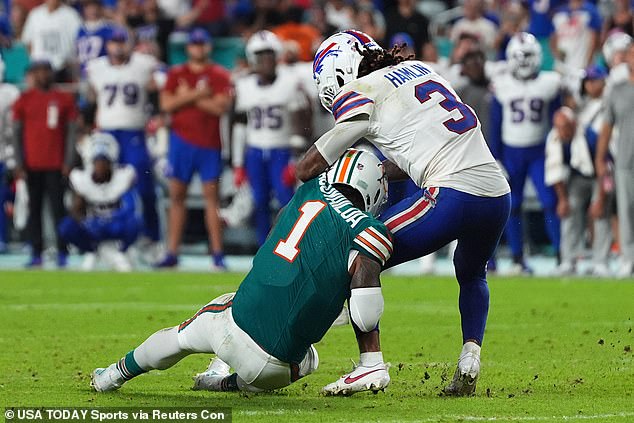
column 526, row 107
column 418, row 122
column 300, row 278
column 269, row 107
column 121, row 90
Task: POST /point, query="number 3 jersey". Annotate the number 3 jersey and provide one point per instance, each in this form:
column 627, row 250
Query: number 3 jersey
column 418, row 122
column 269, row 107
column 121, row 90
column 526, row 107
column 300, row 280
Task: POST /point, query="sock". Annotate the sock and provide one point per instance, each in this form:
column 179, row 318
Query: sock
column 369, row 359
column 230, row 383
column 128, row 367
column 474, row 307
column 218, row 259
column 245, row 387
column 160, row 351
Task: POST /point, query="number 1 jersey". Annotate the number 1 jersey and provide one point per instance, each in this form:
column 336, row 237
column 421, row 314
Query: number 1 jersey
column 418, row 122
column 300, row 280
column 121, row 90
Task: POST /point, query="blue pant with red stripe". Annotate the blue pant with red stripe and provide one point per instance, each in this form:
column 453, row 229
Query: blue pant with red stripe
column 133, row 151
column 264, row 169
column 521, row 162
column 433, row 217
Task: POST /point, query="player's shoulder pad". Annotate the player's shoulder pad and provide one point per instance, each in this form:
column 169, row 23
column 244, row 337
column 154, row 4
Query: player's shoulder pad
column 375, row 240
column 97, row 63
column 79, row 181
column 143, row 59
column 351, row 101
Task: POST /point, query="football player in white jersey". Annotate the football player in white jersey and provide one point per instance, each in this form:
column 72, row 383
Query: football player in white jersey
column 103, row 219
column 524, row 100
column 269, row 107
column 420, row 124
column 120, row 82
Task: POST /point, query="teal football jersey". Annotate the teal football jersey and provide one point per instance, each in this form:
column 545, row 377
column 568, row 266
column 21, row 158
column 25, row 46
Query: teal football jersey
column 299, row 280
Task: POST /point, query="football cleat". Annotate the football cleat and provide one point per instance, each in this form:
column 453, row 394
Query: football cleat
column 89, row 262
column 211, row 379
column 105, row 380
column 466, row 375
column 375, row 378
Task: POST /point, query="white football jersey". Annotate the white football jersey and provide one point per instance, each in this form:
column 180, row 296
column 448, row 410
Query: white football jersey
column 269, row 107
column 418, row 122
column 51, row 35
column 121, row 90
column 526, row 107
column 102, row 200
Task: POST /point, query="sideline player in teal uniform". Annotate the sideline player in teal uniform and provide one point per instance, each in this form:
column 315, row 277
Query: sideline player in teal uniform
column 327, row 247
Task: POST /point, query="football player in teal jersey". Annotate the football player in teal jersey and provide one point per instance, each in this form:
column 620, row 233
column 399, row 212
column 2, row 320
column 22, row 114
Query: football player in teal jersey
column 326, row 247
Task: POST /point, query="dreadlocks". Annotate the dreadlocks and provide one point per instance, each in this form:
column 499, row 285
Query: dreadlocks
column 378, row 59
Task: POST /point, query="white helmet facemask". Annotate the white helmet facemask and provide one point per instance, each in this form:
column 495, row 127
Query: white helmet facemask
column 102, row 144
column 262, row 41
column 524, row 55
column 364, row 172
column 337, row 62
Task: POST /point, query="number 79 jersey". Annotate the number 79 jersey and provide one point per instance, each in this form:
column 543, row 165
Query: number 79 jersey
column 300, row 280
column 418, row 122
column 121, row 90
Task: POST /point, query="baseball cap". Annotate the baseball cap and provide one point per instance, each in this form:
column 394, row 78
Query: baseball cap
column 595, row 72
column 198, row 36
column 118, row 34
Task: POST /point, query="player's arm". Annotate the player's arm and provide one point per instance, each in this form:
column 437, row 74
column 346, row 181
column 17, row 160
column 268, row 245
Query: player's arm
column 393, row 172
column 170, row 101
column 78, row 208
column 331, row 145
column 602, row 150
column 18, row 149
column 217, row 105
column 238, row 119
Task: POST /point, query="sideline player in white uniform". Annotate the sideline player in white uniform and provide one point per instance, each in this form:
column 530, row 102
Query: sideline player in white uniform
column 419, row 123
column 120, row 83
column 103, row 220
column 269, row 106
column 524, row 100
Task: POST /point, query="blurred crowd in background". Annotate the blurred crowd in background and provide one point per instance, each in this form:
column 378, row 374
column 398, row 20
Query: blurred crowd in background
column 165, row 102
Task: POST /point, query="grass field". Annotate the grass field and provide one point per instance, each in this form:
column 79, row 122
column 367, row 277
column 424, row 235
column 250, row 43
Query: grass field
column 555, row 350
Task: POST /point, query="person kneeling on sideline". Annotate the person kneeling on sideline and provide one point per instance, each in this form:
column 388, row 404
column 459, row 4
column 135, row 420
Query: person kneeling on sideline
column 104, row 219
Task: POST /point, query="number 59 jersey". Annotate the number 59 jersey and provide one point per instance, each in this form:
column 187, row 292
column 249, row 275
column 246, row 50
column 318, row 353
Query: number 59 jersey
column 269, row 107
column 418, row 122
column 121, row 90
column 300, row 280
column 526, row 107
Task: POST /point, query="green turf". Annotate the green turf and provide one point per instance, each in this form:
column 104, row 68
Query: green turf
column 554, row 350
